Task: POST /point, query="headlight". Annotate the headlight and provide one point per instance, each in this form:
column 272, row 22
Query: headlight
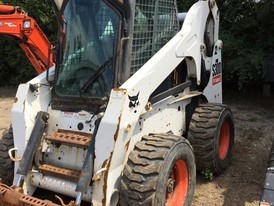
column 26, row 24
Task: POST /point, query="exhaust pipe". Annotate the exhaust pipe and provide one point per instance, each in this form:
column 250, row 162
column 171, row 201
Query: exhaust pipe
column 181, row 16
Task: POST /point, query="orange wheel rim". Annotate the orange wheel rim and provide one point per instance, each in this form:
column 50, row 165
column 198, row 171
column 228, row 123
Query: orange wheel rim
column 224, row 140
column 177, row 187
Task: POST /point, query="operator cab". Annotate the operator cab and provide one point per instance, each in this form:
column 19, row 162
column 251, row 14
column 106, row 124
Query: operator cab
column 102, row 43
column 85, row 64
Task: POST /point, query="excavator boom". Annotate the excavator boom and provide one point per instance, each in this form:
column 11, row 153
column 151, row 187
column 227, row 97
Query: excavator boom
column 15, row 22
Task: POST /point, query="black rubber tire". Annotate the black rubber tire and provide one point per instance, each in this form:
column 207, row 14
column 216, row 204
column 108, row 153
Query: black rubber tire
column 6, row 164
column 206, row 137
column 148, row 171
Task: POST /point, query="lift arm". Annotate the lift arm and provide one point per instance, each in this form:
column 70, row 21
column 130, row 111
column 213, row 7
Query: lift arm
column 15, row 22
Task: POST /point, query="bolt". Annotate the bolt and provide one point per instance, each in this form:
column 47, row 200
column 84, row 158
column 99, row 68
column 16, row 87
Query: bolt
column 212, row 3
column 128, row 128
column 148, row 106
column 170, row 185
column 202, row 47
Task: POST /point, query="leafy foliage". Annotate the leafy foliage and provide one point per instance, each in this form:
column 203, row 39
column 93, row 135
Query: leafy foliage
column 246, row 30
column 242, row 64
column 246, row 33
column 207, row 174
column 183, row 6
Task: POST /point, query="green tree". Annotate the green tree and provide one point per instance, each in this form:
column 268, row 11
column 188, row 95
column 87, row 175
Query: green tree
column 184, row 5
column 246, row 28
column 246, row 32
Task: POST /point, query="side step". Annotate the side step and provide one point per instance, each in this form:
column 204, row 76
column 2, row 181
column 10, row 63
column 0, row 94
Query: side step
column 78, row 139
column 68, row 174
column 70, row 138
column 11, row 197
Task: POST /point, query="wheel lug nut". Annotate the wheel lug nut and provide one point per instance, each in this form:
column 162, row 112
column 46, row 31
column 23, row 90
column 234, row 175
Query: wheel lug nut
column 170, row 185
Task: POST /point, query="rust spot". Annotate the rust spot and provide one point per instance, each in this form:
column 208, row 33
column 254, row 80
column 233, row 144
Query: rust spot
column 106, row 164
column 127, row 144
column 128, row 128
column 14, row 196
column 71, row 138
column 15, row 99
column 118, row 89
column 117, row 130
column 24, row 106
column 60, row 172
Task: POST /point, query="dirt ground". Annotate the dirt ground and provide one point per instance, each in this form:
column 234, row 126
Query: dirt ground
column 6, row 100
column 241, row 184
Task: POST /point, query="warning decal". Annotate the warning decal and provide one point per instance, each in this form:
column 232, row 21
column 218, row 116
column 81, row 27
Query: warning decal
column 216, row 73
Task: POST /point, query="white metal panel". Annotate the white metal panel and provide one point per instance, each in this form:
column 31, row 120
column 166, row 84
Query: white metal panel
column 121, row 122
column 69, row 121
column 27, row 105
column 213, row 91
column 192, row 35
column 57, row 185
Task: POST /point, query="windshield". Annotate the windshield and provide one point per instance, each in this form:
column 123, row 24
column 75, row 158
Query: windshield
column 88, row 42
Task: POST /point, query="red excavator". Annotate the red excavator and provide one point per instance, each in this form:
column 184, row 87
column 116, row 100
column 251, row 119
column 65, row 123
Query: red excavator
column 15, row 22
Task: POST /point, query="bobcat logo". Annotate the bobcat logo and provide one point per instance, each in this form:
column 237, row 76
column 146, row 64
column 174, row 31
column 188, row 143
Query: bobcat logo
column 134, row 101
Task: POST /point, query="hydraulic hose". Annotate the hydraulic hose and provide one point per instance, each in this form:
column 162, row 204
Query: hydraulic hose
column 86, row 172
column 32, row 146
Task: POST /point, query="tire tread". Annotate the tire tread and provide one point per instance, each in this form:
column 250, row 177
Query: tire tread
column 139, row 183
column 6, row 164
column 202, row 133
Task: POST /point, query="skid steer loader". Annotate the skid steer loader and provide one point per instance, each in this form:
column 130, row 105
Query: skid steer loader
column 132, row 108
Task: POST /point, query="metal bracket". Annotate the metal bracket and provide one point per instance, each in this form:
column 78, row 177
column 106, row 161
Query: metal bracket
column 18, row 159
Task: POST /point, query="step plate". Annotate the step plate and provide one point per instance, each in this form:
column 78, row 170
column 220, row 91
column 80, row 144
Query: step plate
column 47, row 169
column 12, row 197
column 3, row 190
column 70, row 138
column 32, row 201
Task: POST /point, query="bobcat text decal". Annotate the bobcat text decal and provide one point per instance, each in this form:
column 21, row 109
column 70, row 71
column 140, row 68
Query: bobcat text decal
column 216, row 72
